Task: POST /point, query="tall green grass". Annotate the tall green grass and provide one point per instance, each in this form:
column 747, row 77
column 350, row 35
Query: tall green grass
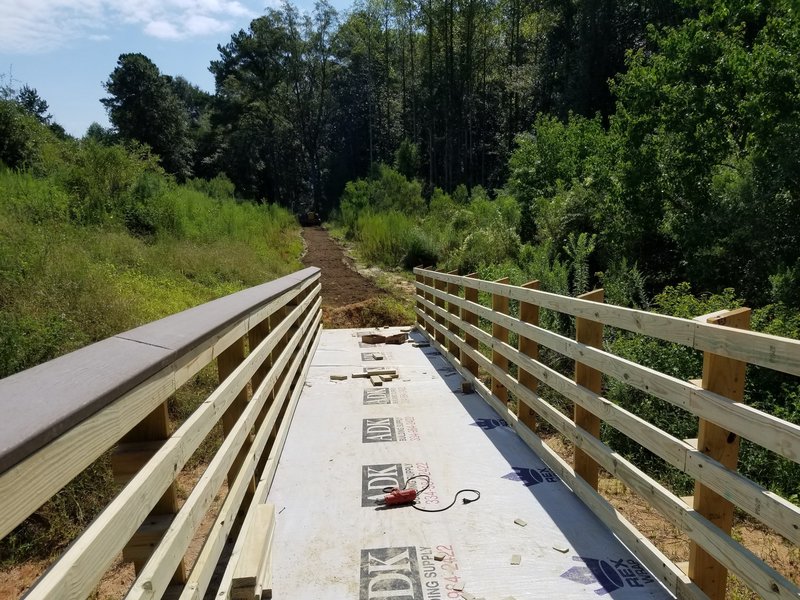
column 95, row 240
column 64, row 284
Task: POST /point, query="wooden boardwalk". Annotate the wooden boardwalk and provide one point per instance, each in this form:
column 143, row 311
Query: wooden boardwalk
column 349, row 440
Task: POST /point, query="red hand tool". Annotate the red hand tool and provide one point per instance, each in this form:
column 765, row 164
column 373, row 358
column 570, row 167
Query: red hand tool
column 397, row 497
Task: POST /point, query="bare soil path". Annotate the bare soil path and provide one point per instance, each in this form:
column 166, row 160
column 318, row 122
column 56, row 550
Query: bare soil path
column 341, row 283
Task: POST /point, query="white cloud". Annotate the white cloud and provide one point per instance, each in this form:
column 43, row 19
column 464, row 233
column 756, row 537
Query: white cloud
column 163, row 30
column 201, row 25
column 41, row 26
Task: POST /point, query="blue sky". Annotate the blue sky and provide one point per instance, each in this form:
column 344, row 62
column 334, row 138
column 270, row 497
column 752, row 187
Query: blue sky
column 66, row 49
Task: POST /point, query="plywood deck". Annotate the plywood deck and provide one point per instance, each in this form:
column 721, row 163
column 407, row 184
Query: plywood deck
column 348, row 440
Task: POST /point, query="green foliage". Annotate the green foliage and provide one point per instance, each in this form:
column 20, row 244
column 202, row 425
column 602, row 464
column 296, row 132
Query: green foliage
column 765, row 390
column 579, row 248
column 384, row 238
column 556, row 172
column 710, row 125
column 625, row 285
column 143, row 106
column 219, row 187
column 406, row 159
column 21, row 136
column 388, row 190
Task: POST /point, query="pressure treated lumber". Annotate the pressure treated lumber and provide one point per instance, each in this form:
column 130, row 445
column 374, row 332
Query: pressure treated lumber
column 771, row 509
column 726, row 377
column 227, row 362
column 256, row 548
column 153, row 430
column 176, row 541
column 420, row 321
column 773, row 352
column 756, row 574
column 500, row 333
column 452, row 289
column 33, row 480
column 109, row 369
column 376, row 371
column 470, row 295
column 528, row 313
column 438, row 301
column 79, row 569
column 590, row 333
column 204, row 567
column 764, row 429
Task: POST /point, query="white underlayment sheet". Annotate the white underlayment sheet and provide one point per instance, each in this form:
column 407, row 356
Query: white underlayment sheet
column 348, row 440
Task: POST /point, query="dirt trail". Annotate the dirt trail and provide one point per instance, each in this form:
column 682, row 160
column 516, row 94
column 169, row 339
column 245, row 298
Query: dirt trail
column 341, row 283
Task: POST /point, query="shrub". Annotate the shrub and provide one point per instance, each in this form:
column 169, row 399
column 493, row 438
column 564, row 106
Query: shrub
column 21, row 136
column 385, row 238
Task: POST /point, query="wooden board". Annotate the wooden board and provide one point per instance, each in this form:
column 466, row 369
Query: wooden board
column 205, row 566
column 500, row 333
column 771, row 509
column 255, row 550
column 589, row 333
column 780, row 354
column 61, row 393
column 758, row 575
column 81, row 567
column 766, row 430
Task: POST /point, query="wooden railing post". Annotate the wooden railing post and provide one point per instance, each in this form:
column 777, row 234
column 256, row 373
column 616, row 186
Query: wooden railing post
column 528, row 313
column 724, row 376
column 440, row 285
column 589, row 333
column 227, row 362
column 418, row 292
column 429, row 297
column 257, row 335
column 500, row 305
column 134, row 450
column 471, row 295
column 452, row 289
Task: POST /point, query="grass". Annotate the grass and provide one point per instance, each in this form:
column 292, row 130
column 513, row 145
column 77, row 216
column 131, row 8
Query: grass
column 71, row 277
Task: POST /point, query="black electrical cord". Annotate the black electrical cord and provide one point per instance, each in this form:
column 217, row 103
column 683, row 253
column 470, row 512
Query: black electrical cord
column 435, row 510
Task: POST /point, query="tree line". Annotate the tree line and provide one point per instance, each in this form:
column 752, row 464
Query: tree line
column 664, row 132
column 306, row 102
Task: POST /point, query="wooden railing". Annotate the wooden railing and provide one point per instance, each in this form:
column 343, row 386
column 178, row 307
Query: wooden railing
column 60, row 417
column 448, row 312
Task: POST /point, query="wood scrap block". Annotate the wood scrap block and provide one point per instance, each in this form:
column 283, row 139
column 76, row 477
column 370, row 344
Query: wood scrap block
column 386, row 378
column 264, row 586
column 397, row 338
column 377, row 356
column 337, row 377
column 376, row 380
column 420, row 344
column 380, row 371
column 257, row 545
column 516, row 559
column 521, row 522
column 373, row 338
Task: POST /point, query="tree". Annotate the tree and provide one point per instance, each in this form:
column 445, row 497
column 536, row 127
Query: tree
column 143, row 106
column 711, row 145
column 273, row 105
column 29, row 99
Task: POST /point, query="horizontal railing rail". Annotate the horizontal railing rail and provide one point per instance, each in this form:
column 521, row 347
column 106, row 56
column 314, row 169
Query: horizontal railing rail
column 448, row 312
column 112, row 396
